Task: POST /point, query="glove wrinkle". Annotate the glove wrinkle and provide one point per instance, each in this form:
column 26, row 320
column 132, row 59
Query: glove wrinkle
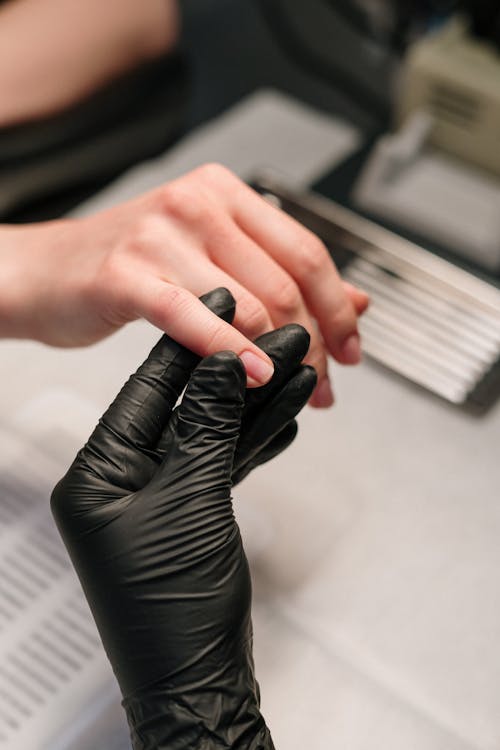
column 211, row 720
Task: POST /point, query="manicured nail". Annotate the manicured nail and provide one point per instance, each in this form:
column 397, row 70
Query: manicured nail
column 259, row 371
column 351, row 350
column 363, row 297
column 322, row 397
column 361, row 292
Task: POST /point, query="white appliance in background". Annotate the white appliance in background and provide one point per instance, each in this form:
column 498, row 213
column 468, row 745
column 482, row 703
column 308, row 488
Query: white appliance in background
column 456, row 78
column 408, row 182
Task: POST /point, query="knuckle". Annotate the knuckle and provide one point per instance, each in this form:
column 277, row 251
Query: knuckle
column 344, row 317
column 184, row 203
column 313, row 256
column 111, row 276
column 215, row 337
column 142, row 237
column 177, row 198
column 128, row 258
column 112, row 266
column 254, row 317
column 218, row 233
column 110, row 293
column 172, row 302
column 214, row 172
column 287, row 299
column 144, row 233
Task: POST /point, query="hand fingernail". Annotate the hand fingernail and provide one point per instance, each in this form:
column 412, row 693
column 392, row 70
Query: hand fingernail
column 364, row 301
column 361, row 292
column 259, row 371
column 351, row 349
column 322, row 397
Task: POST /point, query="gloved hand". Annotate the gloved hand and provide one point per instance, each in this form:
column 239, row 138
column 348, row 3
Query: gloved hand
column 145, row 512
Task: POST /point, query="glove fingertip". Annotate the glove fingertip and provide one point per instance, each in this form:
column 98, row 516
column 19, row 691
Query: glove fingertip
column 308, row 377
column 288, row 343
column 221, row 302
column 279, row 443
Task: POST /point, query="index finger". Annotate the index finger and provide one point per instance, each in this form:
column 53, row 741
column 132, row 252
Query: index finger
column 188, row 321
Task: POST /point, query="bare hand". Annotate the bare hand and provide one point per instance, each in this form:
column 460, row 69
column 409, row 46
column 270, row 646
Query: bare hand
column 154, row 256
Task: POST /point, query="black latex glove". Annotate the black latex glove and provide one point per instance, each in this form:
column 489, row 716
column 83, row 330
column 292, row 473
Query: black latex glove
column 146, row 514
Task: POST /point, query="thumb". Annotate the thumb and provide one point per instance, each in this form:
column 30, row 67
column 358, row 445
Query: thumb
column 201, row 440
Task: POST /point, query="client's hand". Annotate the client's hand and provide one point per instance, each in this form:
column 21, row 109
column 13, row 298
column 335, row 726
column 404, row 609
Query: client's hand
column 73, row 282
column 146, row 514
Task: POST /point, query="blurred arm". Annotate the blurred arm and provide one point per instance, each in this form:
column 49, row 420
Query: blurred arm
column 55, row 52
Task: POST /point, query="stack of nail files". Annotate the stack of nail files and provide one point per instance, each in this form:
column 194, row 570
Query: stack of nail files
column 429, row 320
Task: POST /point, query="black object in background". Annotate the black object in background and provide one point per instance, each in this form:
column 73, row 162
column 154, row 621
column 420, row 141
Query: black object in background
column 338, row 185
column 485, row 19
column 227, row 51
column 354, row 46
column 334, row 43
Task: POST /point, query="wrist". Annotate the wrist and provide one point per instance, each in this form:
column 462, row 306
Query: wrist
column 215, row 709
column 161, row 720
column 83, row 47
column 31, row 278
column 15, row 286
